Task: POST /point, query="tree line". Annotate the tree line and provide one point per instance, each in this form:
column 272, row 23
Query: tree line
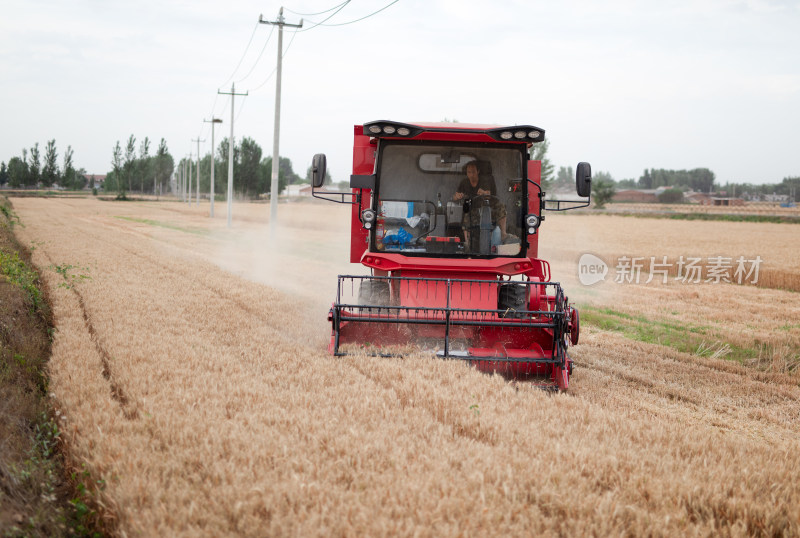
column 252, row 172
column 139, row 171
column 789, row 187
column 33, row 169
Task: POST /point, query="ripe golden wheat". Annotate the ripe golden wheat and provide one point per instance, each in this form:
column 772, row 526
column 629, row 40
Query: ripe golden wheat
column 192, row 380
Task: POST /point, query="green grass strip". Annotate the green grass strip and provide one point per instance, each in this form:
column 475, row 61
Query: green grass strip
column 697, row 340
column 159, row 224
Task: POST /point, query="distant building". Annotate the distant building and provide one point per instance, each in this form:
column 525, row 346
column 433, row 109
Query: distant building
column 95, row 181
column 636, row 195
column 299, row 189
column 717, row 201
column 776, row 197
column 698, row 198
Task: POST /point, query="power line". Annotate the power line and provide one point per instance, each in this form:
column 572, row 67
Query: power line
column 276, row 68
column 350, row 22
column 271, row 30
column 340, row 7
column 315, row 14
column 239, row 113
column 242, row 58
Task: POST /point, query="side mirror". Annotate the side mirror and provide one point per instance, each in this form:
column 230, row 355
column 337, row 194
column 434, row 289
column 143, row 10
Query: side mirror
column 583, row 179
column 319, row 167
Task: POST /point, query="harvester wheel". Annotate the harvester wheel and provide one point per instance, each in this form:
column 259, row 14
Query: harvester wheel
column 374, row 293
column 574, row 326
column 511, row 299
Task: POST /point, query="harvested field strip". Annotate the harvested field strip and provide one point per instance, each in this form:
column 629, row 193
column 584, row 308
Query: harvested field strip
column 245, row 425
column 778, row 219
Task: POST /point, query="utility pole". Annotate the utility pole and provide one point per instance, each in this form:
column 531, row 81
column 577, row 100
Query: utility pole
column 189, row 178
column 183, row 180
column 273, row 191
column 198, row 169
column 233, row 94
column 213, row 121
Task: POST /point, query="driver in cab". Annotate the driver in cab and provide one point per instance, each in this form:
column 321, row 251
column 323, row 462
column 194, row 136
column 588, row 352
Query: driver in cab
column 474, row 186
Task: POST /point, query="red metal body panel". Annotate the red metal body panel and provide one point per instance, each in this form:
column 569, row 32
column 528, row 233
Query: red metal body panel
column 363, row 164
column 480, row 269
column 534, row 207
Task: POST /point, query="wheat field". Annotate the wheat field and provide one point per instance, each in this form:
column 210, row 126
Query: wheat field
column 191, row 380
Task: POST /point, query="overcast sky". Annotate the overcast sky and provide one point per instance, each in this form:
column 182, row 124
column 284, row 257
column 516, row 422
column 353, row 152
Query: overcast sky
column 624, row 85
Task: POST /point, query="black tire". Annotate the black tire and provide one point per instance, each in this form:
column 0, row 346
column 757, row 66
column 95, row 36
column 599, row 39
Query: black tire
column 511, row 300
column 373, row 293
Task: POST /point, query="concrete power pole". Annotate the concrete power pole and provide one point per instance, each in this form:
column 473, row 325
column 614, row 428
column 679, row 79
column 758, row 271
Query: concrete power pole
column 198, row 140
column 189, row 178
column 233, row 94
column 213, row 121
column 183, row 180
column 273, row 191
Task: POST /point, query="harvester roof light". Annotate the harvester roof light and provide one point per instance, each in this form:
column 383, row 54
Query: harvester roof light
column 374, row 129
column 403, row 131
column 389, row 129
column 517, row 133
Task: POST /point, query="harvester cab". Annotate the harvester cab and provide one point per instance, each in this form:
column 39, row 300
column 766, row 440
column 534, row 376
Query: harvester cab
column 446, row 216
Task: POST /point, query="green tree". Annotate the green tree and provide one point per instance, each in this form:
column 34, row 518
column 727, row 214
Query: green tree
column 129, row 166
column 603, row 191
column 671, row 196
column 144, row 165
column 246, row 179
column 118, row 179
column 80, row 179
column 35, row 167
column 164, row 165
column 538, row 152
column 3, row 173
column 286, row 174
column 222, row 170
column 50, row 169
column 205, row 174
column 70, row 180
column 565, row 179
column 17, row 172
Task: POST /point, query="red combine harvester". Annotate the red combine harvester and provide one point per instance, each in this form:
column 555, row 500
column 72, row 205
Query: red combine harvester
column 446, row 217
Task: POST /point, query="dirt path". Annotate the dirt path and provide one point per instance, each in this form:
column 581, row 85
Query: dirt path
column 191, row 371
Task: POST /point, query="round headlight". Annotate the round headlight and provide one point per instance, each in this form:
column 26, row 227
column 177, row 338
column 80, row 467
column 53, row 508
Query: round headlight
column 403, row 131
column 532, row 221
column 520, row 134
column 389, row 129
column 534, row 134
column 368, row 216
column 374, row 129
column 506, row 135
